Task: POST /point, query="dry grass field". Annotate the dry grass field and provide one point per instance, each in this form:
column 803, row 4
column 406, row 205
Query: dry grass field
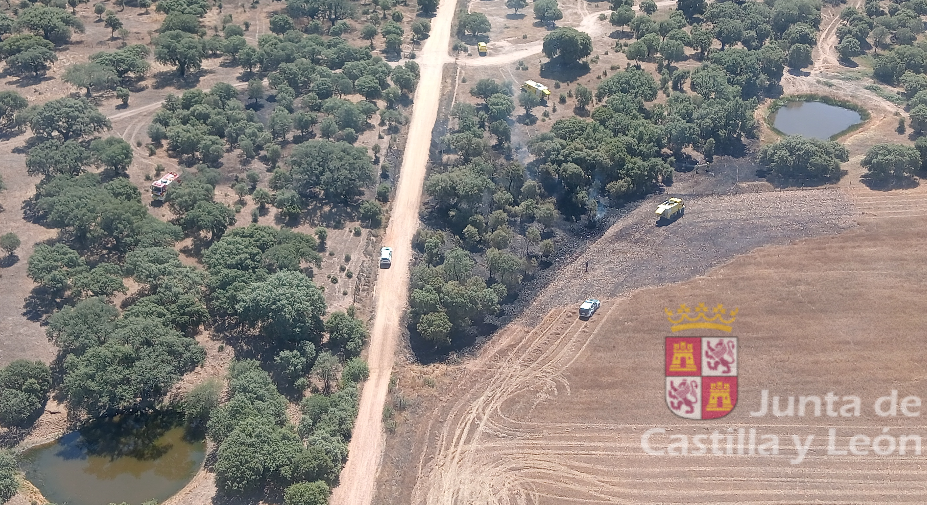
column 553, row 412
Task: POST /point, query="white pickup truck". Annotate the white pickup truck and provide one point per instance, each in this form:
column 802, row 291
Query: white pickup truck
column 588, row 308
column 386, row 257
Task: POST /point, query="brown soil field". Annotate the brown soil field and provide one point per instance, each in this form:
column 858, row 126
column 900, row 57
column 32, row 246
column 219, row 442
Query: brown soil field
column 552, row 411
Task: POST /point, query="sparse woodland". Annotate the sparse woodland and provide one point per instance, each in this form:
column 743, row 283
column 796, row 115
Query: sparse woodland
column 125, row 304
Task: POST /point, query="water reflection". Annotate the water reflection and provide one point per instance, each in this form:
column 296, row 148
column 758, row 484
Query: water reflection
column 814, row 119
column 131, row 458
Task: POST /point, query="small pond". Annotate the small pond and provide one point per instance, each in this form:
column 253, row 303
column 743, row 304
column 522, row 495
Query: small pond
column 814, row 119
column 129, row 458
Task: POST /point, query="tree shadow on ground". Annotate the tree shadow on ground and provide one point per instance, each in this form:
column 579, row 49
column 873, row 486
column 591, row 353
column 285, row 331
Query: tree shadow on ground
column 513, row 16
column 26, row 81
column 621, row 34
column 556, row 71
column 253, row 498
column 9, row 260
column 549, row 26
column 735, row 148
column 28, row 144
column 196, row 247
column 889, row 184
column 10, row 133
column 391, row 57
column 527, row 119
column 247, row 343
column 170, row 78
column 329, row 216
column 797, row 72
column 426, row 352
column 774, row 90
column 472, row 40
column 13, row 436
column 784, row 183
column 849, row 63
column 41, row 303
column 135, row 86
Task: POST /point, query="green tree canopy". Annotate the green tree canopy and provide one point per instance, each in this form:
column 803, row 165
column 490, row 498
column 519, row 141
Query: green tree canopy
column 473, row 23
column 24, row 387
column 179, row 48
column 516, row 4
column 67, row 118
column 252, row 395
column 799, row 56
column 528, row 101
column 286, row 306
column 547, row 11
column 52, row 23
column 886, row 162
column 113, row 153
column 622, row 16
column 568, row 44
column 634, row 82
column 135, row 366
column 428, row 6
column 54, row 157
column 91, row 76
column 9, row 476
column 306, row 493
column 9, row 242
column 53, row 266
column 11, row 103
column 212, row 217
column 255, row 453
column 112, row 22
column 795, row 158
column 346, row 333
column 336, row 169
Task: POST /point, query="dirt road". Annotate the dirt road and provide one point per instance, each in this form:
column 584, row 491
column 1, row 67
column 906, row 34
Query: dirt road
column 366, row 448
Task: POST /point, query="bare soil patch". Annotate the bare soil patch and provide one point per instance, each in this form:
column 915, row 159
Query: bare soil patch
column 553, row 409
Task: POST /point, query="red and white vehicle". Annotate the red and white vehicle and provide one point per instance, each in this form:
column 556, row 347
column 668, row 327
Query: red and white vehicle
column 159, row 187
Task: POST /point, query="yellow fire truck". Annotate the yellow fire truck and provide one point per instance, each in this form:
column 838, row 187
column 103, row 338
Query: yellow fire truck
column 671, row 209
column 536, row 88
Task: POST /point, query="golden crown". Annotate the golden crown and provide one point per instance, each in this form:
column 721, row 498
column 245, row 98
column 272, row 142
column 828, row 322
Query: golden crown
column 687, row 321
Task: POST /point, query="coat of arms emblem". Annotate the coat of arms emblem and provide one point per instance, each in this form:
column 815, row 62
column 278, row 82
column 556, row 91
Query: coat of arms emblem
column 701, row 372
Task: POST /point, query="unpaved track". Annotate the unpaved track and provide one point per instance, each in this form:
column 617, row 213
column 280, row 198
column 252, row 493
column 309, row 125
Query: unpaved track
column 358, row 477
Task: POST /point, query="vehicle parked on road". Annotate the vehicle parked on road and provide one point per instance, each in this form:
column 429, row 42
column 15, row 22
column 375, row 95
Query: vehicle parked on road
column 386, row 257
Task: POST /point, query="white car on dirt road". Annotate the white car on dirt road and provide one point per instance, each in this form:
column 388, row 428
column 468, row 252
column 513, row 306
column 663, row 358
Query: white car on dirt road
column 386, row 257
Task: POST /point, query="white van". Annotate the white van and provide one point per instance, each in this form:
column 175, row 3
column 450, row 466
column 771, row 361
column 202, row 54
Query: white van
column 386, row 257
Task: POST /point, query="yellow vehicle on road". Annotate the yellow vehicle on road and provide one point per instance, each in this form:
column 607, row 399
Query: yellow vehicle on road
column 481, row 47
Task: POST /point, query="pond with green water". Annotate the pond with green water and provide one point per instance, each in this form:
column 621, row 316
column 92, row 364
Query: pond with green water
column 128, row 458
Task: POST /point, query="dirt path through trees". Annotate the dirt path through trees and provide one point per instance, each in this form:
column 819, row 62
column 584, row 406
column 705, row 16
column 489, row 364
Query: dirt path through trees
column 366, row 448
